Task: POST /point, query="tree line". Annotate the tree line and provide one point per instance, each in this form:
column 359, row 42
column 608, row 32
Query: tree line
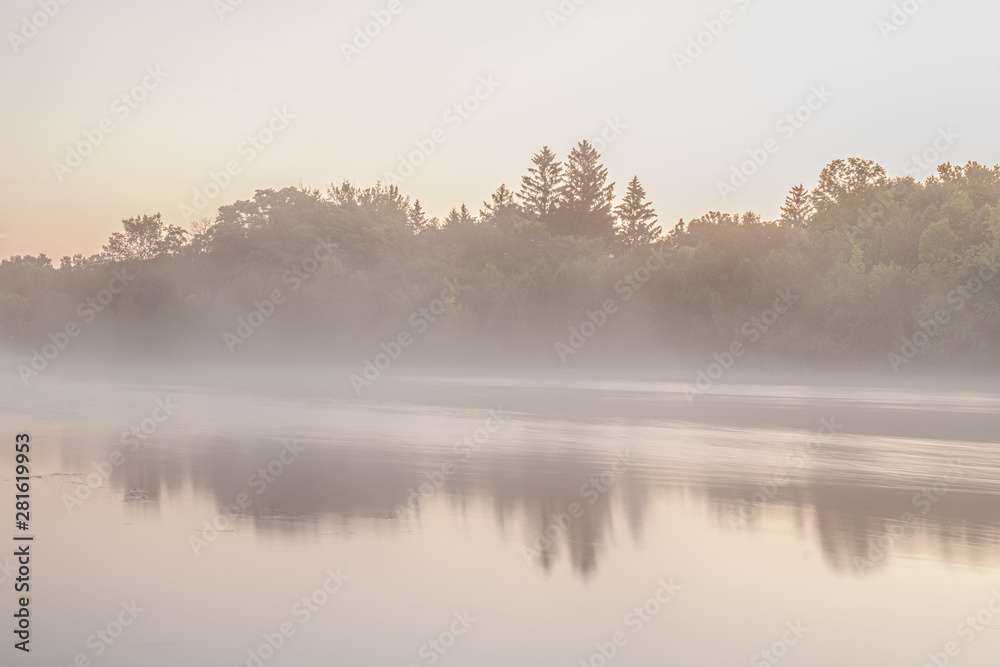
column 883, row 266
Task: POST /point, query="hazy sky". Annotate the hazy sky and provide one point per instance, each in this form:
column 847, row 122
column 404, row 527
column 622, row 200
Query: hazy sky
column 221, row 80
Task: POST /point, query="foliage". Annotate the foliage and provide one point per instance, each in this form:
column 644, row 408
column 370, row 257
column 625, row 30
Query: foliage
column 873, row 260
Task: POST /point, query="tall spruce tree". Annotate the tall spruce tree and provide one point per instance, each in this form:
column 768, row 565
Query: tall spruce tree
column 418, row 219
column 460, row 216
column 540, row 188
column 636, row 217
column 798, row 207
column 502, row 210
column 585, row 209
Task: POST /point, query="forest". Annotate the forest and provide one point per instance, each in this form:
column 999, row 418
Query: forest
column 862, row 270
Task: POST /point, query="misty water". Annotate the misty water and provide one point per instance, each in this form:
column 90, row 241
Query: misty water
column 493, row 519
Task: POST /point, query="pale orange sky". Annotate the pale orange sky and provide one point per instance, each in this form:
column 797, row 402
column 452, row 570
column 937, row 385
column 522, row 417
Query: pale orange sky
column 222, row 79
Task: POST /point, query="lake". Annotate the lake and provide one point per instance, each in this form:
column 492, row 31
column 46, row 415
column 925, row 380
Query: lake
column 494, row 519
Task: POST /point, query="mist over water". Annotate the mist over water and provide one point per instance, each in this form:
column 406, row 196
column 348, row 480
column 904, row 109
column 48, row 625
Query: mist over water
column 453, row 493
column 537, row 333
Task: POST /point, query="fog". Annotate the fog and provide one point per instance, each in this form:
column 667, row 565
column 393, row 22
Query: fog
column 585, row 334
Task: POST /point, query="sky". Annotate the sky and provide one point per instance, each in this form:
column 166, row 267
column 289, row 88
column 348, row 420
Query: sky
column 115, row 109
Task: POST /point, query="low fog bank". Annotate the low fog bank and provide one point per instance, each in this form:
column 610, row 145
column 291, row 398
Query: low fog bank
column 953, row 408
column 865, row 273
column 863, row 452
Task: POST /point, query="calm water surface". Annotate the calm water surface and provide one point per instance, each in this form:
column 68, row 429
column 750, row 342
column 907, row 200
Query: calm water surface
column 487, row 522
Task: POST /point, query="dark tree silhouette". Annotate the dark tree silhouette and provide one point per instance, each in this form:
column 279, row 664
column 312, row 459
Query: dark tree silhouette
column 540, row 188
column 418, row 219
column 798, row 208
column 636, row 217
column 585, row 209
column 144, row 237
column 502, row 210
column 460, row 216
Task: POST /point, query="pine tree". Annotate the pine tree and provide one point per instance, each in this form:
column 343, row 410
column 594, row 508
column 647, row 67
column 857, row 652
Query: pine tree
column 418, row 219
column 460, row 216
column 676, row 235
column 539, row 189
column 502, row 211
column 798, row 208
column 585, row 209
column 637, row 219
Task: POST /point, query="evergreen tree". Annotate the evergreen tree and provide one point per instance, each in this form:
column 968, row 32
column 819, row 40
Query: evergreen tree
column 418, row 219
column 460, row 216
column 502, row 210
column 637, row 219
column 585, row 209
column 540, row 188
column 798, row 207
column 676, row 235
